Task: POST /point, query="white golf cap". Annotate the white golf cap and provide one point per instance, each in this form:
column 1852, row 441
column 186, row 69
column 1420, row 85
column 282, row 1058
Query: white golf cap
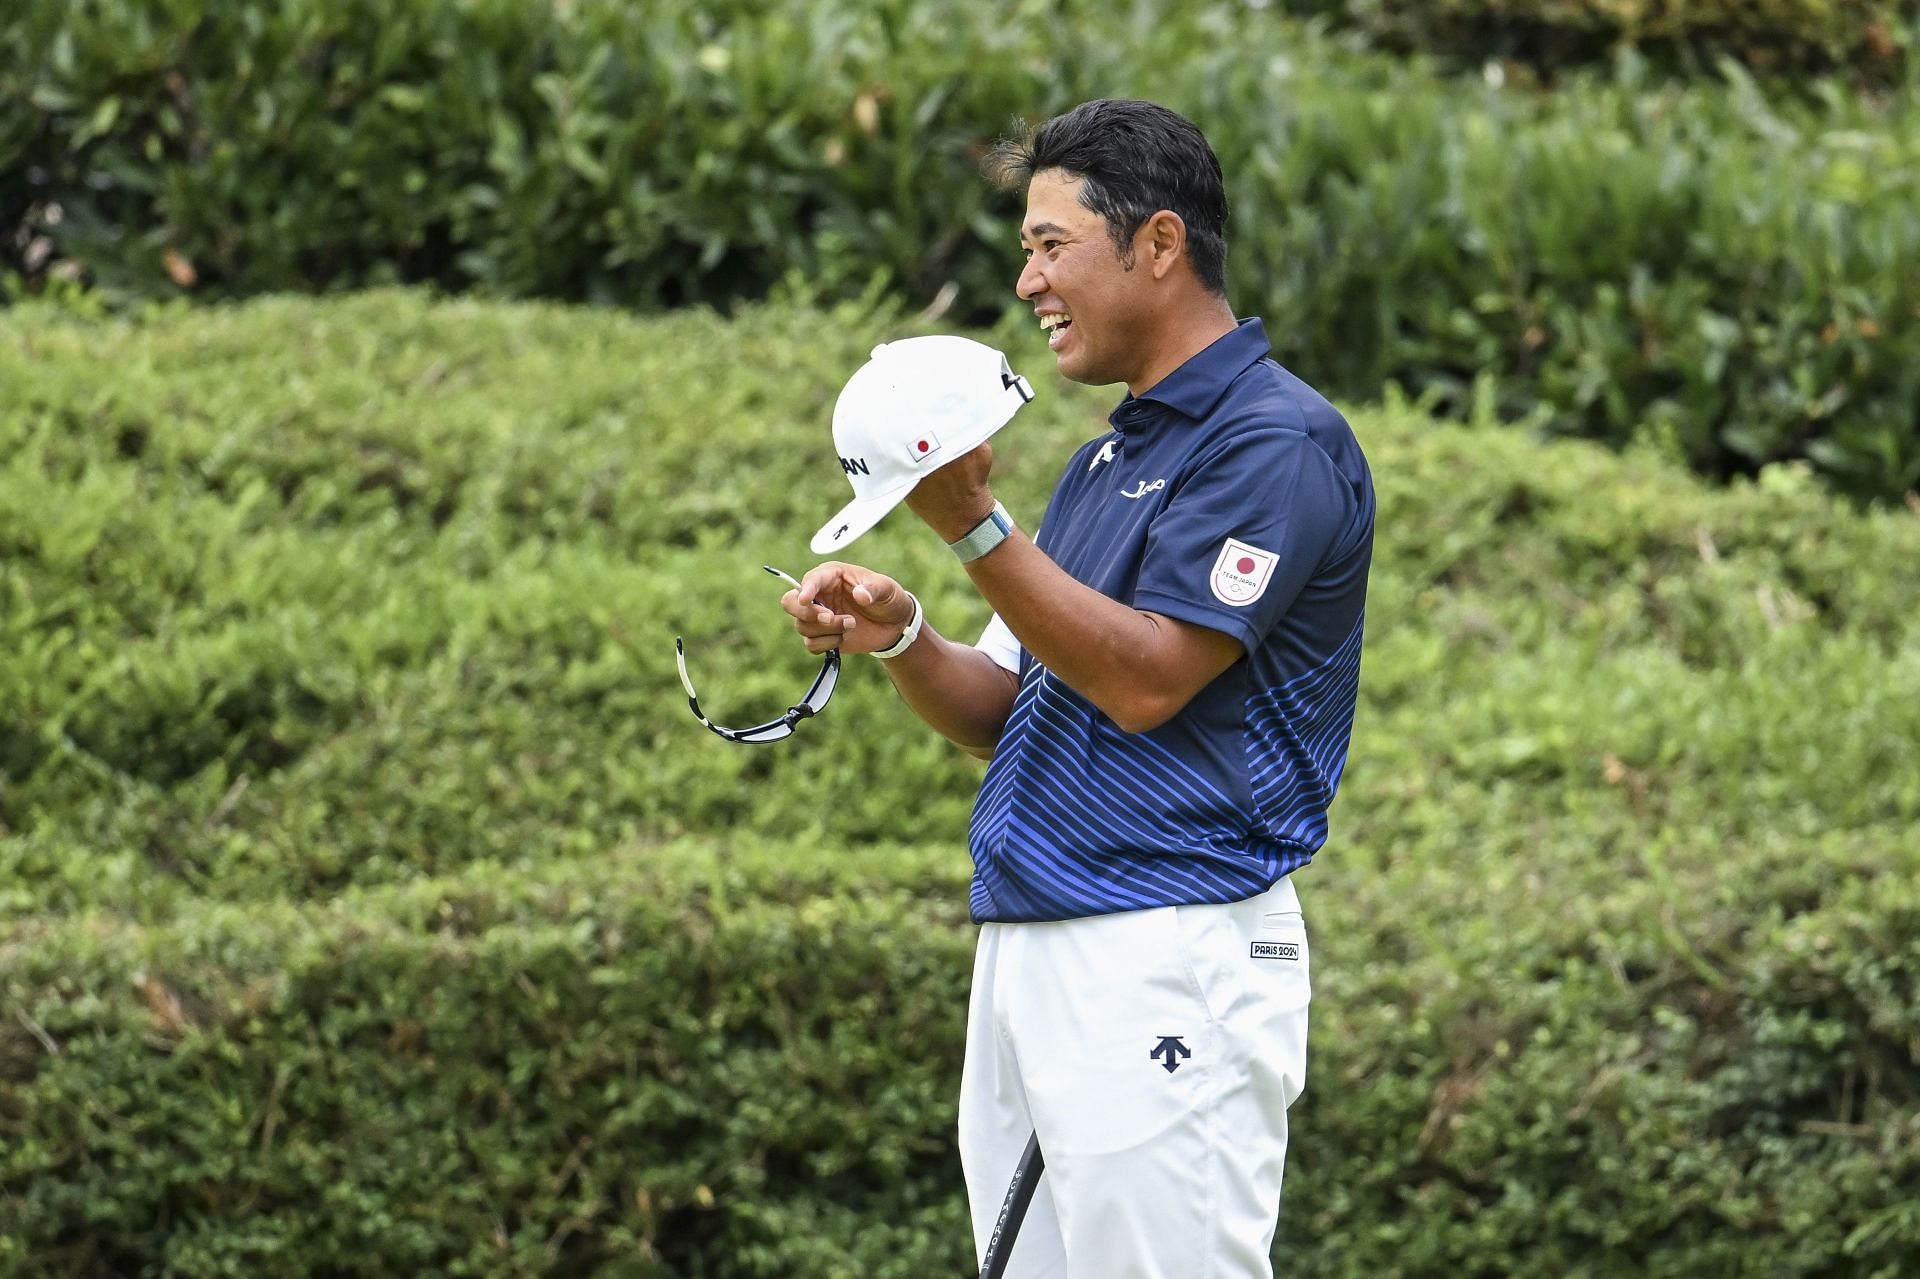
column 916, row 405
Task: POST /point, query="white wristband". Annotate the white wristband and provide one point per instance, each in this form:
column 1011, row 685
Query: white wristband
column 908, row 636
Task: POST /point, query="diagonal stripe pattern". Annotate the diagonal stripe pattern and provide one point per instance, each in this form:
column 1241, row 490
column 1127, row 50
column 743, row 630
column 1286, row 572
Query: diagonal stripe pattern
column 1076, row 817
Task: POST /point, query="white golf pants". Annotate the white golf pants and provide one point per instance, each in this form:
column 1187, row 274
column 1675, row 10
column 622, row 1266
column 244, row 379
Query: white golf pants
column 1155, row 1053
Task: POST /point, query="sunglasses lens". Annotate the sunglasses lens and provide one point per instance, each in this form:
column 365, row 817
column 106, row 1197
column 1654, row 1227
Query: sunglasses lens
column 823, row 683
column 772, row 732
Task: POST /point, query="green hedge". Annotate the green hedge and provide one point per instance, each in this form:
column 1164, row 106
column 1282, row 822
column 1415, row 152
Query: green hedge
column 370, row 902
column 1734, row 276
column 650, row 1065
column 309, row 595
column 1872, row 37
column 720, row 1062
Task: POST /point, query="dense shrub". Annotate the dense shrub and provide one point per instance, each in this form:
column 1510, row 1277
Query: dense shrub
column 1704, row 265
column 1873, row 37
column 647, row 1064
column 733, row 1061
column 370, row 903
column 308, row 595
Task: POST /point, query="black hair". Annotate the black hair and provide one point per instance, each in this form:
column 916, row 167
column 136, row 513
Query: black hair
column 1136, row 158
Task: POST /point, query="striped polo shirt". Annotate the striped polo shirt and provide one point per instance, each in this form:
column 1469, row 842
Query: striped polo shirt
column 1231, row 495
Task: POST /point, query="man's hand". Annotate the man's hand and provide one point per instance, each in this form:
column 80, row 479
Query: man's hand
column 954, row 498
column 844, row 606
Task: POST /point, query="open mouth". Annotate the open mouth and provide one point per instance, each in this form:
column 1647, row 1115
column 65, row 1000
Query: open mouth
column 1056, row 326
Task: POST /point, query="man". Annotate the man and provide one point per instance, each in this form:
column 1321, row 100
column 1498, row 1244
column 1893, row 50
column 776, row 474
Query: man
column 1166, row 695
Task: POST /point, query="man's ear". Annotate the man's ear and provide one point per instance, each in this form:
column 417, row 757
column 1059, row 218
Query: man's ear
column 1162, row 240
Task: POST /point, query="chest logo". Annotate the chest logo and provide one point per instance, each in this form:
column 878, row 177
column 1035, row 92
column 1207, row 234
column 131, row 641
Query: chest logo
column 1144, row 489
column 1241, row 574
column 1104, row 455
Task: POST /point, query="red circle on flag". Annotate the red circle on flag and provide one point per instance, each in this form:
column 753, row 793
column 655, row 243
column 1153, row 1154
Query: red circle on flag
column 1245, row 565
column 922, row 446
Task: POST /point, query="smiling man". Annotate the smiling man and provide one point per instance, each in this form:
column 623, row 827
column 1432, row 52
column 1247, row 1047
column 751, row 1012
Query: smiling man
column 1166, row 695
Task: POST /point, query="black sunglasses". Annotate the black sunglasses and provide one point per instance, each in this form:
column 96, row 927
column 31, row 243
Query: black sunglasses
column 774, row 729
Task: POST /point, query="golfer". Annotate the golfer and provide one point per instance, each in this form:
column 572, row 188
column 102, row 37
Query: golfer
column 1166, row 694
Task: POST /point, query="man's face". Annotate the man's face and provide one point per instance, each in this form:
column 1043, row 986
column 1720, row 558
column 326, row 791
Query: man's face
column 1091, row 301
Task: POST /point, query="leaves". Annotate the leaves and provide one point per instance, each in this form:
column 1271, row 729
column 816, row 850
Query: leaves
column 1396, row 224
column 387, row 909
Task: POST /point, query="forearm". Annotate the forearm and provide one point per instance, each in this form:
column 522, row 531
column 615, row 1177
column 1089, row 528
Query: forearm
column 1116, row 656
column 1139, row 667
column 960, row 692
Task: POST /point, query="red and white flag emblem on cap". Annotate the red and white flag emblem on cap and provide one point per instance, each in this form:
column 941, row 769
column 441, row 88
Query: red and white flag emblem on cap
column 1241, row 574
column 922, row 446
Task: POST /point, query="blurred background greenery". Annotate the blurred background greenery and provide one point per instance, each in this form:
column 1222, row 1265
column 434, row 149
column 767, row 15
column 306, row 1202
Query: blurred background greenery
column 370, row 903
column 1721, row 263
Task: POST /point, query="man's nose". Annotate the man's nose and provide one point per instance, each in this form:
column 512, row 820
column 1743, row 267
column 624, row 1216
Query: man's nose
column 1031, row 283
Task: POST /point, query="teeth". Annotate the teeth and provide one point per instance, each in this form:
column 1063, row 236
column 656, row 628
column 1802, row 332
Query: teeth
column 1052, row 322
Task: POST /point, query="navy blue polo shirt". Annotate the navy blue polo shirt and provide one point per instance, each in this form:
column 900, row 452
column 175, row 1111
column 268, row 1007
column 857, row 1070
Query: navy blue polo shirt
column 1231, row 495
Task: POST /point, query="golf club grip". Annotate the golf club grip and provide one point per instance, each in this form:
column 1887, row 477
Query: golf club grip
column 1019, row 1194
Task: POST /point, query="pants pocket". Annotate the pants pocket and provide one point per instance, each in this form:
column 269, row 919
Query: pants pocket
column 1281, row 942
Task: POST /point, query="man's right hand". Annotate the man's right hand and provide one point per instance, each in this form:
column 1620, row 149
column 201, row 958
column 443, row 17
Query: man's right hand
column 847, row 607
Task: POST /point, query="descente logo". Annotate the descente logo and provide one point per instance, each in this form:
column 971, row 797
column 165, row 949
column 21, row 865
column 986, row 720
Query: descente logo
column 1276, row 950
column 855, row 466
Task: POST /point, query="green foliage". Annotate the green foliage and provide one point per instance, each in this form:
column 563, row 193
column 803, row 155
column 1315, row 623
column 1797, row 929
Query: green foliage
column 1872, row 37
column 647, row 1064
column 369, row 902
column 1733, row 275
column 718, row 1062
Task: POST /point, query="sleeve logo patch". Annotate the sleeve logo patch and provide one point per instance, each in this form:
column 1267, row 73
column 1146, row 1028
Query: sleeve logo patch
column 1241, row 574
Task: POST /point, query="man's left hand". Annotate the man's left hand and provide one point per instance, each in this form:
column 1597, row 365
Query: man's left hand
column 956, row 497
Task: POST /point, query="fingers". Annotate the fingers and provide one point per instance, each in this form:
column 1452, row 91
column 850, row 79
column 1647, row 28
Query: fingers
column 803, row 601
column 878, row 595
column 834, row 600
column 818, row 625
column 953, row 496
column 827, row 580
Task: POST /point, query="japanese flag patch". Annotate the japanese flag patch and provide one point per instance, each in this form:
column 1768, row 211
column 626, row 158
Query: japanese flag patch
column 1241, row 574
column 922, row 446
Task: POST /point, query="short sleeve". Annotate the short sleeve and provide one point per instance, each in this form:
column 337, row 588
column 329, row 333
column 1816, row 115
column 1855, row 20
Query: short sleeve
column 1246, row 530
column 998, row 643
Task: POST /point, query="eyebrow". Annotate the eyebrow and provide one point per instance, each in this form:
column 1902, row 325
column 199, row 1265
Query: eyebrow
column 1039, row 229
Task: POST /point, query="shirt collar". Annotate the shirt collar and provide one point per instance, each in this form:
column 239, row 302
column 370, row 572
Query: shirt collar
column 1196, row 386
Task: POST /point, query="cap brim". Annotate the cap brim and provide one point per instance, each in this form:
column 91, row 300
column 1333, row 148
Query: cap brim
column 853, row 519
